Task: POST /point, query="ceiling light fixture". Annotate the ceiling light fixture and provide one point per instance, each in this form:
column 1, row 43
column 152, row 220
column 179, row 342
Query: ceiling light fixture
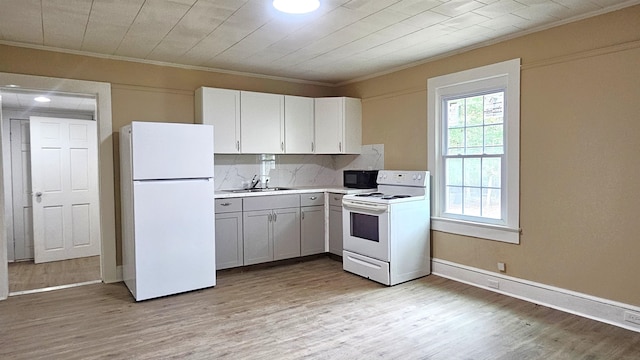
column 296, row 6
column 42, row 99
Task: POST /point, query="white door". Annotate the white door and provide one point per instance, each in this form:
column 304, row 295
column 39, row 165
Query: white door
column 21, row 190
column 64, row 177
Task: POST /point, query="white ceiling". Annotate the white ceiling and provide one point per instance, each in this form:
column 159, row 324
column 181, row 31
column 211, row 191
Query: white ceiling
column 342, row 41
column 18, row 99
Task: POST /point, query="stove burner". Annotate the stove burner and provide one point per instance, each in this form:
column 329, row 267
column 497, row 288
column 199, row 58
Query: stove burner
column 383, row 196
column 374, row 194
column 391, row 197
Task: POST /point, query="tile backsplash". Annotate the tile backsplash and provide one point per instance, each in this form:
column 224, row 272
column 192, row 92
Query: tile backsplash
column 236, row 171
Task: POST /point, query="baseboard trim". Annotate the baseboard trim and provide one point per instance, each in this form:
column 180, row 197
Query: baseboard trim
column 595, row 308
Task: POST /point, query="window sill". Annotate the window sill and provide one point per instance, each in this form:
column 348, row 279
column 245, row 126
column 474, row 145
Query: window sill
column 479, row 230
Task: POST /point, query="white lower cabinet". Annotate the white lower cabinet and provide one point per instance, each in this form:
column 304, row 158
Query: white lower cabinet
column 311, row 224
column 335, row 224
column 271, row 228
column 229, row 252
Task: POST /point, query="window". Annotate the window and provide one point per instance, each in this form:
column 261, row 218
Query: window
column 474, row 151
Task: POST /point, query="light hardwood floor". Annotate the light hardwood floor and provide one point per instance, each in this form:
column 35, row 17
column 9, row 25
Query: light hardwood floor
column 311, row 310
column 26, row 275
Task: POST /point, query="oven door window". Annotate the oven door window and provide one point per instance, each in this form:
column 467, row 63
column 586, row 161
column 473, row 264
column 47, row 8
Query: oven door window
column 365, row 226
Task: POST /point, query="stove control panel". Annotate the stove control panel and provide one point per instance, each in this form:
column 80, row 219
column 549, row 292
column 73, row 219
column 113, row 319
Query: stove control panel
column 400, row 177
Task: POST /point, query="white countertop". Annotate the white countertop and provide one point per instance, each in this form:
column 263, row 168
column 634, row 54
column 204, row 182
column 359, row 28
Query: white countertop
column 221, row 194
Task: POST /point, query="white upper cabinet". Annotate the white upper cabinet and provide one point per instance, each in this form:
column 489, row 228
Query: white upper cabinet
column 298, row 122
column 338, row 124
column 220, row 108
column 262, row 123
column 247, row 122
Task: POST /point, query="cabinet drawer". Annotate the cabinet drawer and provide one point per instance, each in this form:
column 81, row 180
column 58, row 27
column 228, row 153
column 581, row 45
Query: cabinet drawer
column 271, row 202
column 335, row 199
column 312, row 199
column 228, row 205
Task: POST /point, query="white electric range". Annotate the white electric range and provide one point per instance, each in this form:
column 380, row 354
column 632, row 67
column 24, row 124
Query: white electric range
column 386, row 234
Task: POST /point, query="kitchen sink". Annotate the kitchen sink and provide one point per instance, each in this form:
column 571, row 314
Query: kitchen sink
column 258, row 190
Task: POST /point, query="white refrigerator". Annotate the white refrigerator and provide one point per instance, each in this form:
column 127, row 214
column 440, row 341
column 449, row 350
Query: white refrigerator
column 167, row 201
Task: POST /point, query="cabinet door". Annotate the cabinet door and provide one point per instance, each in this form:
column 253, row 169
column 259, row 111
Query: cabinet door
column 352, row 138
column 229, row 247
column 258, row 239
column 220, row 108
column 286, row 233
column 262, row 123
column 335, row 230
column 329, row 116
column 312, row 230
column 298, row 125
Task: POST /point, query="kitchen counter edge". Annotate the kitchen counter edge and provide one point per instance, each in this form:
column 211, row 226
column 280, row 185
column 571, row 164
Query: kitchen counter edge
column 221, row 194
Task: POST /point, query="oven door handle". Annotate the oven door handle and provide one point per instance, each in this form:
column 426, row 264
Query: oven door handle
column 360, row 206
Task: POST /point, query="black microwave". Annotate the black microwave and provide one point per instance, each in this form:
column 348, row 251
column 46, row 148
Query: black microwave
column 360, row 179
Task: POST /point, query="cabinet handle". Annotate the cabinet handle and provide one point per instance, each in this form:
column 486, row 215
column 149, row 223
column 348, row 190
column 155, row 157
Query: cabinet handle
column 238, row 145
column 313, row 197
column 282, row 146
column 340, row 146
column 225, row 204
column 302, row 215
column 275, row 217
column 312, row 147
column 269, row 217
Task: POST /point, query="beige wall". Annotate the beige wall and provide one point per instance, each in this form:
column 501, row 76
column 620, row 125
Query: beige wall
column 579, row 127
column 141, row 91
column 580, row 148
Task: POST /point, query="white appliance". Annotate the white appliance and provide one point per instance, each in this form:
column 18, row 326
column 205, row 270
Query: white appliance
column 166, row 173
column 386, row 234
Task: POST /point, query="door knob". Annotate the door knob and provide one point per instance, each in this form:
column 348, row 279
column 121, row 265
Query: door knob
column 38, row 194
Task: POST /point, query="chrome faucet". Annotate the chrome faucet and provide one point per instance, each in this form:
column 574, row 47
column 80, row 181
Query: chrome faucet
column 254, row 182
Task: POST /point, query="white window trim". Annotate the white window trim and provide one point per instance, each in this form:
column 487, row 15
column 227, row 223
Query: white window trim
column 507, row 74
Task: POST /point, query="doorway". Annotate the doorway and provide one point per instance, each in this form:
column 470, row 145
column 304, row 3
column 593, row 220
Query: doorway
column 102, row 93
column 54, row 181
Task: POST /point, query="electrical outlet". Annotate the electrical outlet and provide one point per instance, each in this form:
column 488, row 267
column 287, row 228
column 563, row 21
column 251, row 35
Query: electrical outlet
column 632, row 317
column 502, row 267
column 493, row 283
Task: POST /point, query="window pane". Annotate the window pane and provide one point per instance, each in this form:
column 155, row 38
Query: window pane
column 493, row 135
column 491, row 172
column 474, row 129
column 455, row 113
column 474, row 110
column 494, row 108
column 453, row 168
column 454, row 200
column 474, row 136
column 472, row 201
column 491, row 203
column 455, row 141
column 472, row 172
